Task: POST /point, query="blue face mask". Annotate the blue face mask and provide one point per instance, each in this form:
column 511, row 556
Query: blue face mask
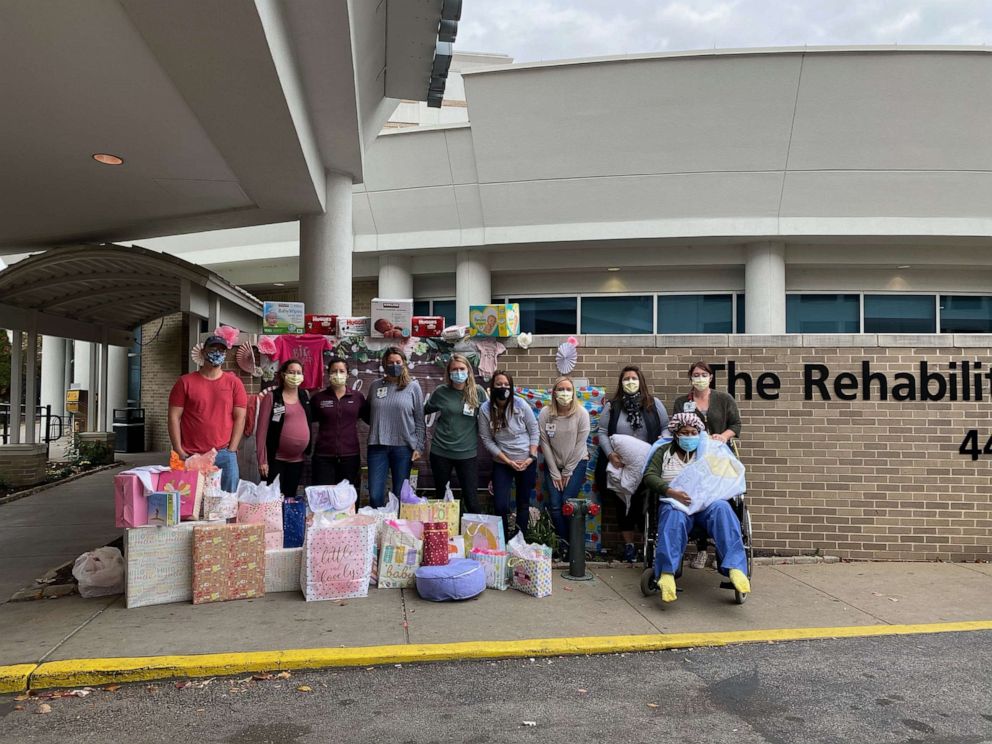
column 689, row 444
column 216, row 357
column 459, row 376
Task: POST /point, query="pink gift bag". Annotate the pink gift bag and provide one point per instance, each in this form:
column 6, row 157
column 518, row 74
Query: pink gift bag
column 130, row 501
column 189, row 484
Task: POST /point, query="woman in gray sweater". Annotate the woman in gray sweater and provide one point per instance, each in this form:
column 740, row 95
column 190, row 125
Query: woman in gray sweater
column 396, row 426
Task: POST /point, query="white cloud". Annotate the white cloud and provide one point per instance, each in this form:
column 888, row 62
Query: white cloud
column 560, row 29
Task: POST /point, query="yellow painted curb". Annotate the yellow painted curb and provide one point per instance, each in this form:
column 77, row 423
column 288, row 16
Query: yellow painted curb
column 81, row 672
column 15, row 678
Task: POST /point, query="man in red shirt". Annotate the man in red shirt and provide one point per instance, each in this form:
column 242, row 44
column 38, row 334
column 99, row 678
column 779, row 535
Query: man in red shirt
column 207, row 411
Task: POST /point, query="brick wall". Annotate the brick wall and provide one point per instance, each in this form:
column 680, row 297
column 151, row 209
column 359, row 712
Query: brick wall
column 163, row 360
column 862, row 479
column 23, row 465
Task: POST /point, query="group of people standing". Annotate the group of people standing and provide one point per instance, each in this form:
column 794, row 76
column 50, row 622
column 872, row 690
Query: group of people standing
column 207, row 411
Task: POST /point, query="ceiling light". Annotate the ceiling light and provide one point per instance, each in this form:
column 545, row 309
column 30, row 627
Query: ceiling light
column 107, row 159
column 614, row 268
column 904, row 266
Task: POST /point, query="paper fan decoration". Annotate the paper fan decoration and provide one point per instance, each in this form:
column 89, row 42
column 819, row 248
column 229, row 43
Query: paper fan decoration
column 567, row 356
column 245, row 357
column 196, row 354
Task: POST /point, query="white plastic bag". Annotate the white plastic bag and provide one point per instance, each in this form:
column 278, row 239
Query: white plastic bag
column 99, row 572
column 518, row 547
column 448, row 495
column 259, row 493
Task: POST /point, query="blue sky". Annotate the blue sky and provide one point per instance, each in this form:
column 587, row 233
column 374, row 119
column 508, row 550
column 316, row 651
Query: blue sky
column 530, row 30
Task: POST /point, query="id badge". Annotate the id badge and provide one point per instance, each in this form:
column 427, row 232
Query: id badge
column 382, row 392
column 549, row 429
column 468, row 410
column 277, row 412
column 690, row 406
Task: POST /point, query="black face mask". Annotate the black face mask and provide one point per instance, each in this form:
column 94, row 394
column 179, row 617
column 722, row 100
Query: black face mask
column 502, row 394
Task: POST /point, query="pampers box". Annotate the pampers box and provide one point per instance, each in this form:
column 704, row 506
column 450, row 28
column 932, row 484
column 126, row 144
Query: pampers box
column 391, row 318
column 501, row 321
column 283, row 317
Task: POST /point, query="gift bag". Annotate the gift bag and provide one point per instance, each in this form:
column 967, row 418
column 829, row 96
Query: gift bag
column 400, row 553
column 435, row 544
column 337, row 559
column 294, row 523
column 228, row 562
column 189, row 485
column 131, row 489
column 408, row 494
column 259, row 503
column 219, row 505
column 495, row 564
column 530, row 567
column 483, row 531
column 380, row 515
column 456, row 547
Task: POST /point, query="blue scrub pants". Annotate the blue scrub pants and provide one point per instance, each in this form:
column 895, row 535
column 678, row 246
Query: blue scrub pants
column 721, row 524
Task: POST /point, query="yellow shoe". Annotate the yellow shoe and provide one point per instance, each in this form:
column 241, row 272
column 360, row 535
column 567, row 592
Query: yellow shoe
column 667, row 585
column 740, row 581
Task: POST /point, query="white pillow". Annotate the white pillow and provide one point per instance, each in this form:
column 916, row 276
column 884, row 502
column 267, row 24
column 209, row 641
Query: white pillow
column 624, row 481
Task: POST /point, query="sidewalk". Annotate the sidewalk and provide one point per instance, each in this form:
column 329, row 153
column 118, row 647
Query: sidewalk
column 43, row 530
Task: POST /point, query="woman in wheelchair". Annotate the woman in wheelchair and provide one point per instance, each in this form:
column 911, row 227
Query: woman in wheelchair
column 674, row 526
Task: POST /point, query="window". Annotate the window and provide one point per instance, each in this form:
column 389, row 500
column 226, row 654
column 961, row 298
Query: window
column 134, row 371
column 554, row 315
column 422, row 307
column 445, row 308
column 965, row 314
column 618, row 314
column 740, row 315
column 822, row 313
column 900, row 314
column 695, row 314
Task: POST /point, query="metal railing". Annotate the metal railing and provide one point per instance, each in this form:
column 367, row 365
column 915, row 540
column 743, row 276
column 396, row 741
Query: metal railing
column 48, row 426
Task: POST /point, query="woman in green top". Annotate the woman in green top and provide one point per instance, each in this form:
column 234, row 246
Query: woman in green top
column 455, row 442
column 719, row 413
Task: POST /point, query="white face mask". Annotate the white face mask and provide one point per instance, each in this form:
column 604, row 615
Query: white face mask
column 632, row 385
column 292, row 380
column 700, row 382
column 564, row 397
column 338, row 378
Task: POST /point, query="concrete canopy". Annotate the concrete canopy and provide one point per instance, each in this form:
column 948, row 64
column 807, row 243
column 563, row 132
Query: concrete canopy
column 102, row 293
column 226, row 114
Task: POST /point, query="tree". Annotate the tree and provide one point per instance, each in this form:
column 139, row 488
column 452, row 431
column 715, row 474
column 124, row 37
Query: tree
column 4, row 365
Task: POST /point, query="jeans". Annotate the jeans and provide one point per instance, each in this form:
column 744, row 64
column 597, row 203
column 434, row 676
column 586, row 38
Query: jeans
column 504, row 477
column 721, row 524
column 383, row 459
column 468, row 478
column 557, row 499
column 227, row 461
column 329, row 471
column 289, row 476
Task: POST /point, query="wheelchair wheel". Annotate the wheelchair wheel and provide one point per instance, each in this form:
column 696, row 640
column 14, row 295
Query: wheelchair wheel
column 748, row 551
column 648, row 585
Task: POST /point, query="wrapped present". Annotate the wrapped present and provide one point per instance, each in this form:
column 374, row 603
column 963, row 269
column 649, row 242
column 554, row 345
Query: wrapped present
column 530, row 567
column 337, row 559
column 501, row 321
column 294, row 523
column 164, row 508
column 380, row 515
column 159, row 564
column 131, row 489
column 282, row 570
column 495, row 564
column 189, row 485
column 228, row 562
column 434, row 510
column 456, row 547
column 483, row 531
column 435, row 544
column 400, row 553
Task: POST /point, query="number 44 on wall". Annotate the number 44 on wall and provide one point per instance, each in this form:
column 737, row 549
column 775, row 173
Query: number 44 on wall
column 969, row 445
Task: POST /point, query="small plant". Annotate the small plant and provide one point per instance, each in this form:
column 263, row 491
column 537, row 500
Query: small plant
column 542, row 531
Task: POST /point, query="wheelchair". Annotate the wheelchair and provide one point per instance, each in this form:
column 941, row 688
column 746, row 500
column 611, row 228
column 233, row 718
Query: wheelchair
column 698, row 536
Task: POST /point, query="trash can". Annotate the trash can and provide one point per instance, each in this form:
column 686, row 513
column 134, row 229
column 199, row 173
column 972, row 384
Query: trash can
column 129, row 429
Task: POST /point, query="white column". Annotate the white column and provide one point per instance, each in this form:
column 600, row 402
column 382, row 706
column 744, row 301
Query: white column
column 473, row 283
column 395, row 277
column 16, row 362
column 116, row 382
column 30, row 387
column 764, row 288
column 92, row 404
column 81, row 364
column 101, row 424
column 326, row 245
column 53, row 382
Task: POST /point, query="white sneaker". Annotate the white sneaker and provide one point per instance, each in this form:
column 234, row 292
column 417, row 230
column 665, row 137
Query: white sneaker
column 699, row 560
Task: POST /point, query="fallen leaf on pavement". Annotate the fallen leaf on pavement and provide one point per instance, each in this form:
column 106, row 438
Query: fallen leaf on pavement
column 80, row 693
column 25, row 696
column 183, row 685
column 304, row 688
column 567, row 588
column 261, row 677
column 652, row 705
column 283, row 675
column 44, row 708
column 582, row 692
column 18, row 707
column 111, row 688
column 530, row 723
